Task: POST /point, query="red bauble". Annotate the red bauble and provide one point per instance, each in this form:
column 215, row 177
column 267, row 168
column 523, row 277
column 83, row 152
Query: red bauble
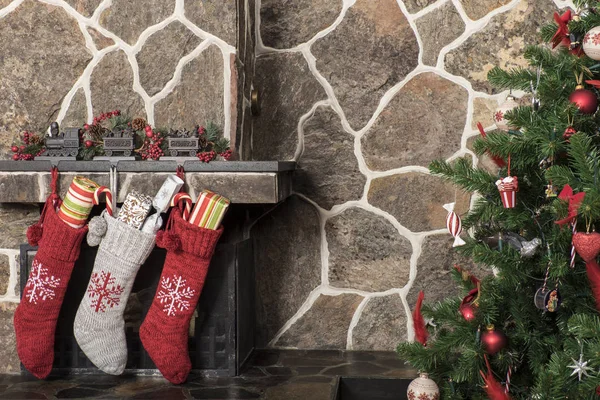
column 570, row 131
column 89, row 143
column 16, row 157
column 149, row 134
column 584, row 99
column 22, row 147
column 467, row 311
column 14, row 149
column 493, row 341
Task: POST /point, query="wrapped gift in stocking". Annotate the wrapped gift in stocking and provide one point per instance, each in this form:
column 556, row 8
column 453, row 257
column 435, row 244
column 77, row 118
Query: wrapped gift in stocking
column 35, row 318
column 164, row 332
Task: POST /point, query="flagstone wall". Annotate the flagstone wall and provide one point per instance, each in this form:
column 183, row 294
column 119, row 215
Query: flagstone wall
column 364, row 94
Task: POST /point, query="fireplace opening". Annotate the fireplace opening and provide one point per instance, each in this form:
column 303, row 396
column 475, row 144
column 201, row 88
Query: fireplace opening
column 221, row 334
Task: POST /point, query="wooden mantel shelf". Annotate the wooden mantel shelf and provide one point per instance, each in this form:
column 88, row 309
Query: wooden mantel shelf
column 243, row 182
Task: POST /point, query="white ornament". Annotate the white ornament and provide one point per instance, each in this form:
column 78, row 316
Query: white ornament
column 580, row 367
column 423, row 388
column 591, row 43
column 499, row 115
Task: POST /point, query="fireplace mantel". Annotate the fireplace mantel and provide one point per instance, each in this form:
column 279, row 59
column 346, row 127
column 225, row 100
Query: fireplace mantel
column 243, row 182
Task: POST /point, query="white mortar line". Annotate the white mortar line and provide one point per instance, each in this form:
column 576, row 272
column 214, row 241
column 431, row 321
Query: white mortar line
column 425, row 10
column 354, row 321
column 10, row 8
column 13, row 257
column 302, row 120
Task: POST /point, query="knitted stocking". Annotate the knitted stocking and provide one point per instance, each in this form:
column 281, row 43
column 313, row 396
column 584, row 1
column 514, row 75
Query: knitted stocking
column 164, row 332
column 99, row 326
column 36, row 315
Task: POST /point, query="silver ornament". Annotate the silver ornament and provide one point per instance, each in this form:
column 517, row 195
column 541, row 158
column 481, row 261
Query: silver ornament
column 530, row 248
column 580, row 367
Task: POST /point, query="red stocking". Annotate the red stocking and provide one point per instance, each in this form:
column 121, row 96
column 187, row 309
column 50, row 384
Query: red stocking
column 36, row 315
column 164, row 332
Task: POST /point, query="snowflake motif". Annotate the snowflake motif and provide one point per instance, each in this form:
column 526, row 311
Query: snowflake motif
column 424, row 396
column 102, row 293
column 436, row 397
column 174, row 295
column 499, row 116
column 596, row 39
column 40, row 286
column 411, row 395
column 587, row 38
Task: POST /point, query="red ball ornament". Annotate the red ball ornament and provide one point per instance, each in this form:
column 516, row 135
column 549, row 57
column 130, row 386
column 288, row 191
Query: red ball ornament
column 493, row 341
column 149, row 134
column 584, row 99
column 22, row 147
column 15, row 157
column 14, row 149
column 89, row 143
column 570, row 131
column 468, row 312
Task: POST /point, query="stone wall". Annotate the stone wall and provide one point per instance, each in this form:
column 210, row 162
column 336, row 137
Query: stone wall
column 364, row 94
column 174, row 62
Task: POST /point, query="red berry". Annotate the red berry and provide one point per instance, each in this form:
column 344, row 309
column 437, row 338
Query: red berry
column 149, row 134
column 86, row 127
column 22, row 147
column 14, row 149
column 89, row 143
column 15, row 157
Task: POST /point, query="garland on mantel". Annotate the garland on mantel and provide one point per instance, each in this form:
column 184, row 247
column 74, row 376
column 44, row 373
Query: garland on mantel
column 113, row 132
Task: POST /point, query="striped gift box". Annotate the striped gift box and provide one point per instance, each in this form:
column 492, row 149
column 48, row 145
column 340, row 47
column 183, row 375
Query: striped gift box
column 209, row 210
column 78, row 202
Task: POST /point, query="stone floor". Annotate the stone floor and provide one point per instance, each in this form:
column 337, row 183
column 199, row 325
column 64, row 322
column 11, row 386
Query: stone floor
column 273, row 375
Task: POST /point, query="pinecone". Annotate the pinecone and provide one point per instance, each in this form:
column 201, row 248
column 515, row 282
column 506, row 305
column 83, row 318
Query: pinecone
column 202, row 142
column 35, row 139
column 138, row 124
column 96, row 132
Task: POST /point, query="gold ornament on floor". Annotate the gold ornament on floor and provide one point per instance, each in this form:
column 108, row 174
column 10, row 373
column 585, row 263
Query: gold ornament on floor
column 423, row 388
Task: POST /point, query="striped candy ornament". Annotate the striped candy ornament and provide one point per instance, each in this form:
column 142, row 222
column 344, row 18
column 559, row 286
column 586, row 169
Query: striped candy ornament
column 109, row 200
column 209, row 210
column 454, row 224
column 78, row 202
column 188, row 203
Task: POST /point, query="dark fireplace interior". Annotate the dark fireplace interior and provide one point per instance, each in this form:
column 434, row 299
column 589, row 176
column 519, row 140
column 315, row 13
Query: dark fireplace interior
column 221, row 334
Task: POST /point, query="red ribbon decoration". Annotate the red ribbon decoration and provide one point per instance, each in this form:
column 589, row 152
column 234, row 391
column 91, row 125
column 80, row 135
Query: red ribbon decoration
column 421, row 333
column 594, row 83
column 574, row 200
column 562, row 33
column 499, row 161
column 492, row 387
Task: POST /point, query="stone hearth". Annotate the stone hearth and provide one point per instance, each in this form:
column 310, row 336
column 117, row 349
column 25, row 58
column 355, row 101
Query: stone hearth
column 273, row 375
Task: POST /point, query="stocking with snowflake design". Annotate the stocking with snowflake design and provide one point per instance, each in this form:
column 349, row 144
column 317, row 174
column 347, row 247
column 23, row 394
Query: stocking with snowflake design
column 164, row 332
column 37, row 313
column 99, row 325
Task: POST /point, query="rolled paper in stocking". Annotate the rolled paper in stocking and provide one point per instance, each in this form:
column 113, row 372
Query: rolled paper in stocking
column 209, row 210
column 183, row 197
column 169, row 188
column 135, row 209
column 508, row 188
column 454, row 224
column 109, row 200
column 78, row 202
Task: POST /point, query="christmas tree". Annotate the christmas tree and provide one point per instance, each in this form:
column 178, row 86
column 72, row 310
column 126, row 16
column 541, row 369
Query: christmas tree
column 530, row 330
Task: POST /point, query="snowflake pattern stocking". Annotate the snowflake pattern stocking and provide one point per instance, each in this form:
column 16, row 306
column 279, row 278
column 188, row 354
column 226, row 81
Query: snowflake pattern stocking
column 36, row 315
column 164, row 332
column 99, row 326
